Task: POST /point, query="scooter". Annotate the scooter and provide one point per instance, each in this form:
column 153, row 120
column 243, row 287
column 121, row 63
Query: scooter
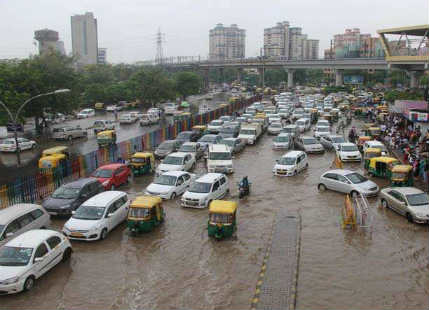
column 243, row 191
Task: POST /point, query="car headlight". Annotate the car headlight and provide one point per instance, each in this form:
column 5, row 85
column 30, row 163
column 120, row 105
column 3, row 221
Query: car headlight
column 105, row 183
column 10, row 281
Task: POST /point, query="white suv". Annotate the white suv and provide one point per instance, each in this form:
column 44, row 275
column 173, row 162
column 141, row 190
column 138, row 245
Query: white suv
column 220, row 159
column 209, row 187
column 291, row 163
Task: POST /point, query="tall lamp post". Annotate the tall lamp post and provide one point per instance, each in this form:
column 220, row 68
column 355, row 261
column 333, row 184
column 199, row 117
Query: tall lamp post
column 14, row 120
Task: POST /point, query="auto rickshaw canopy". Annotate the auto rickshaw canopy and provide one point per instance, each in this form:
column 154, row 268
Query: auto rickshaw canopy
column 55, row 150
column 106, row 134
column 372, row 150
column 369, row 125
column 260, row 115
column 51, row 161
column 146, row 202
column 374, row 129
column 223, row 207
column 402, row 168
column 363, row 139
column 382, row 159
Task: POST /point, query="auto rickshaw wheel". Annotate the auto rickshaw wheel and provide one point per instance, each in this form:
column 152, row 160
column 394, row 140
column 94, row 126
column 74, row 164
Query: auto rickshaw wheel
column 409, row 217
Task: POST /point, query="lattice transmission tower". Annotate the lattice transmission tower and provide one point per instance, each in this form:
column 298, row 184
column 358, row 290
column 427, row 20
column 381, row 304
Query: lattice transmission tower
column 160, row 39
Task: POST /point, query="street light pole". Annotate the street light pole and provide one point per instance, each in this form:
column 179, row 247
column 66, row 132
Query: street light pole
column 15, row 119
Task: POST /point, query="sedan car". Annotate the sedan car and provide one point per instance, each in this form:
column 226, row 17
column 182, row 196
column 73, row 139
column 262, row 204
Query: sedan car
column 331, row 141
column 348, row 182
column 321, row 131
column 187, row 136
column 410, row 202
column 9, row 145
column 235, row 144
column 170, row 184
column 177, row 161
column 27, row 257
column 194, row 148
column 348, row 152
column 215, row 126
column 166, row 147
column 275, row 128
column 309, row 145
column 85, row 113
column 68, row 133
column 112, row 176
column 283, row 141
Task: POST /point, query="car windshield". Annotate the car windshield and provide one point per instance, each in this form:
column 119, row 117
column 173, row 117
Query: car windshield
column 216, row 123
column 65, row 192
column 418, row 199
column 166, row 146
column 165, row 180
column 98, row 124
column 184, row 135
column 102, row 173
column 288, row 130
column 227, row 130
column 356, row 178
column 187, row 148
column 338, row 139
column 276, row 125
column 323, row 129
column 349, row 148
column 247, row 132
column 281, row 139
column 89, row 213
column 220, row 156
column 208, row 139
column 173, row 160
column 228, row 142
column 287, row 161
column 309, row 141
column 15, row 256
column 199, row 187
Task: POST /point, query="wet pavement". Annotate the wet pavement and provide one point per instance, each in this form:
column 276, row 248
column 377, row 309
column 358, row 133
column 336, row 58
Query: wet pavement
column 178, row 267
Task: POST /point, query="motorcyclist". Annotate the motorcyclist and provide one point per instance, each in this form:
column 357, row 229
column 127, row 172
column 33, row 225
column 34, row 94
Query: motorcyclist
column 244, row 183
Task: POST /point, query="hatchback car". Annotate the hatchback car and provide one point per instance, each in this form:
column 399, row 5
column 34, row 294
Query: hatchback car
column 283, row 141
column 70, row 196
column 331, row 141
column 215, row 126
column 309, row 145
column 236, row 145
column 112, row 176
column 26, row 258
column 291, row 164
column 321, row 131
column 85, row 113
column 348, row 182
column 348, row 152
column 410, row 202
column 194, row 148
column 177, row 161
column 97, row 216
column 275, row 128
column 9, row 145
column 229, row 131
column 166, row 147
column 208, row 140
column 170, row 184
column 187, row 136
column 209, row 187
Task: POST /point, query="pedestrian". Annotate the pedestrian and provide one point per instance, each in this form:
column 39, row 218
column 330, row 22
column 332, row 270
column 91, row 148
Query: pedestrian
column 115, row 112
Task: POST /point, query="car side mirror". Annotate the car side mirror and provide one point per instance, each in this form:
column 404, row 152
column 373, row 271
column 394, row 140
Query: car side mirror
column 403, row 204
column 38, row 259
column 109, row 215
column 8, row 235
column 73, row 212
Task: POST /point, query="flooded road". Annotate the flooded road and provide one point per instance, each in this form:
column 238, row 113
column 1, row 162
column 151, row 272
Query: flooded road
column 178, row 267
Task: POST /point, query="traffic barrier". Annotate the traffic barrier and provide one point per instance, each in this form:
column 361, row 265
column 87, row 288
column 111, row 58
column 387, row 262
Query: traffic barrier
column 33, row 189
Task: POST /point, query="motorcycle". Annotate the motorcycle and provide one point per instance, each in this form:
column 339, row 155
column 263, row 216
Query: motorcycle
column 243, row 191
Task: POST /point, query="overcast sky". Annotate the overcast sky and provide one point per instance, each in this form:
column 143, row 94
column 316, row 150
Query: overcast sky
column 127, row 28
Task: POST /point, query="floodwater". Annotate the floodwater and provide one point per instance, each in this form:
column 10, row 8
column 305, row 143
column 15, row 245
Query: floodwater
column 178, row 267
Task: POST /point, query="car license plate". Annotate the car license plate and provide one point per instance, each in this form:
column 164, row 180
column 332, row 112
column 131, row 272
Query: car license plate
column 76, row 234
column 53, row 213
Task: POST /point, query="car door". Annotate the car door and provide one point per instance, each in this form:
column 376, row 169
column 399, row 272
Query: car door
column 111, row 216
column 329, row 180
column 123, row 175
column 223, row 185
column 395, row 201
column 343, row 184
column 180, row 185
column 27, row 223
column 41, row 260
column 216, row 193
column 187, row 181
column 54, row 244
column 122, row 206
column 12, row 229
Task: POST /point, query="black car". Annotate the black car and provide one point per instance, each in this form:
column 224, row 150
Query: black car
column 70, row 196
column 11, row 127
column 166, row 147
column 187, row 136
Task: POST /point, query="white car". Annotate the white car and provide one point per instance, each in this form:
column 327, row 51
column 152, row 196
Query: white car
column 321, row 131
column 332, row 141
column 309, row 145
column 9, row 145
column 323, row 122
column 274, row 118
column 30, row 255
column 85, row 113
column 220, row 159
column 127, row 118
column 348, row 182
column 209, row 187
column 111, row 108
column 283, row 141
column 291, row 163
column 177, row 161
column 97, row 216
column 215, row 126
column 348, row 152
column 275, row 128
column 170, row 184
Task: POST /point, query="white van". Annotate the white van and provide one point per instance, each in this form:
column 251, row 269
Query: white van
column 209, row 187
column 291, row 163
column 250, row 133
column 219, row 159
column 303, row 124
column 20, row 218
column 170, row 108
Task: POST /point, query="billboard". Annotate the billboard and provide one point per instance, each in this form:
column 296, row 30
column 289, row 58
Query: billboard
column 353, row 79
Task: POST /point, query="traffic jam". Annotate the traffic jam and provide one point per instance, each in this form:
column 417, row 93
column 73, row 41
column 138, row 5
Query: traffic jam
column 301, row 127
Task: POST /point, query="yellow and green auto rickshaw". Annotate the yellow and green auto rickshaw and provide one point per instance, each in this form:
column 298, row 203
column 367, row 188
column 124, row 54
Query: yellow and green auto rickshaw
column 402, row 175
column 370, row 153
column 222, row 219
column 146, row 212
column 361, row 141
column 53, row 157
column 200, row 129
column 382, row 166
column 142, row 163
column 106, row 138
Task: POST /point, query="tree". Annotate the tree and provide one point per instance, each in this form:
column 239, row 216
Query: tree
column 187, row 83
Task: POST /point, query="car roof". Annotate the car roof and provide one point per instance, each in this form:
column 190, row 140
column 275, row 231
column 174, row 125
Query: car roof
column 104, row 198
column 178, row 154
column 347, row 144
column 175, row 173
column 111, row 166
column 209, row 177
column 15, row 211
column 293, row 154
column 373, row 142
column 80, row 182
column 405, row 190
column 284, row 134
column 32, row 238
column 190, row 143
column 218, row 147
column 341, row 171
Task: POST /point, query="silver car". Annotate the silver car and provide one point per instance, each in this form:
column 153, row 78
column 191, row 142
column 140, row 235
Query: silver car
column 347, row 182
column 68, row 133
column 332, row 141
column 410, row 202
column 235, row 144
column 309, row 145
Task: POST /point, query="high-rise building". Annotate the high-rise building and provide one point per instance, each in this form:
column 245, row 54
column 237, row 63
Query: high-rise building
column 101, row 59
column 48, row 41
column 84, row 38
column 289, row 43
column 227, row 42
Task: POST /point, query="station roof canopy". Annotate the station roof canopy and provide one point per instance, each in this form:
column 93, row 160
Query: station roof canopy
column 411, row 30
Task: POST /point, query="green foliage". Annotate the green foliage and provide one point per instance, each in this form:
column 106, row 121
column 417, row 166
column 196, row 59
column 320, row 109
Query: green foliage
column 393, row 95
column 187, row 83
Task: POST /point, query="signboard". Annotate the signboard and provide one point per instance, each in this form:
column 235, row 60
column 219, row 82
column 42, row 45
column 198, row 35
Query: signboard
column 414, row 110
column 417, row 116
column 353, row 79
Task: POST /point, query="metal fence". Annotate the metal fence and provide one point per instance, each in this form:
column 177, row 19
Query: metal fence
column 34, row 188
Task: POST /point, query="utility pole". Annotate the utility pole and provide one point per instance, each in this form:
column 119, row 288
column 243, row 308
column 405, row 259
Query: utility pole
column 160, row 38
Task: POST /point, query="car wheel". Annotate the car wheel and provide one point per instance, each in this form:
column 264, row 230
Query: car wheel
column 409, row 218
column 193, row 166
column 173, row 196
column 112, row 188
column 306, row 166
column 33, row 146
column 295, row 172
column 384, row 204
column 103, row 234
column 321, row 187
column 67, row 254
column 69, row 138
column 354, row 194
column 29, row 283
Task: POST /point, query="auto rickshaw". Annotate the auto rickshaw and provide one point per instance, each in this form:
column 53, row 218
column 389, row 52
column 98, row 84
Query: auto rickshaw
column 402, row 175
column 106, row 138
column 201, row 129
column 260, row 115
column 382, row 166
column 146, row 212
column 52, row 161
column 373, row 132
column 370, row 153
column 222, row 219
column 142, row 163
column 99, row 106
column 361, row 141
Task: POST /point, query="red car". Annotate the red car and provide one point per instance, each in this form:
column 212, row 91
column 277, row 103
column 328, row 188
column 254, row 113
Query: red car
column 112, row 176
